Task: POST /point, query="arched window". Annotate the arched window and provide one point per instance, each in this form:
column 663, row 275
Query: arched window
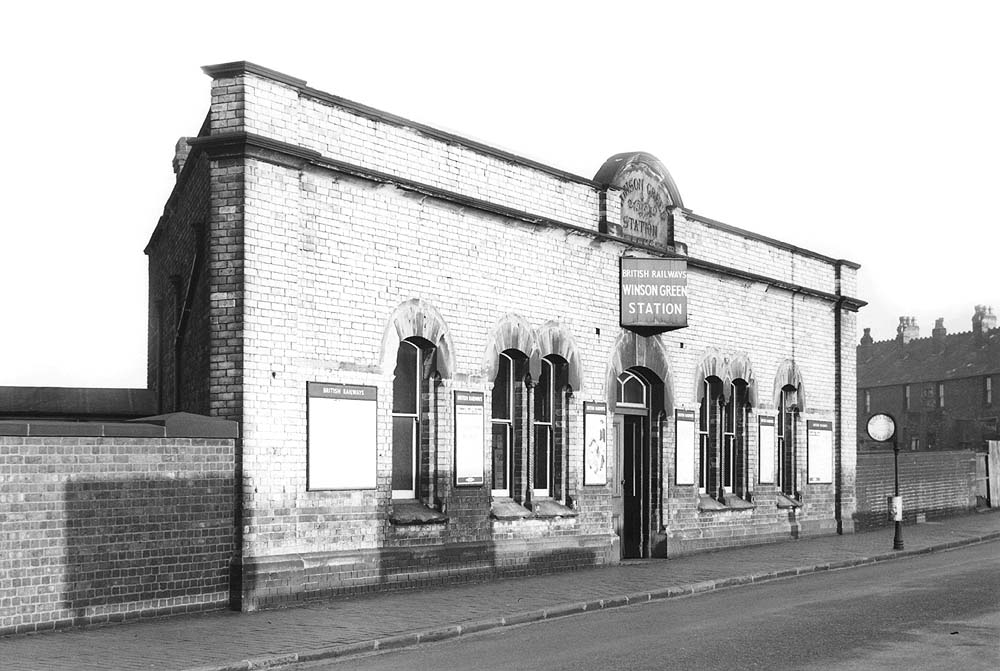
column 548, row 451
column 507, row 418
column 787, row 414
column 710, row 426
column 631, row 391
column 415, row 361
column 735, row 469
column 722, row 438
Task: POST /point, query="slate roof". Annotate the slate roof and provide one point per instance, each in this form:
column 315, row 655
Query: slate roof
column 956, row 355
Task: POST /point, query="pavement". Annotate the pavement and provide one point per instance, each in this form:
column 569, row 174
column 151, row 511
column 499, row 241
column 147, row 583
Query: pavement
column 230, row 641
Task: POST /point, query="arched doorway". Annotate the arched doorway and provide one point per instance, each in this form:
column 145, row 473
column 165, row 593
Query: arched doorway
column 636, row 464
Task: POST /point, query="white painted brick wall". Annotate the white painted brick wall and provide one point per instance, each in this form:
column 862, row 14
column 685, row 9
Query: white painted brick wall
column 329, row 257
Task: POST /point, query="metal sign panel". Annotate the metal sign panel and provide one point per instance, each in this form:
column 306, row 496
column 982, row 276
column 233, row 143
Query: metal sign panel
column 653, row 293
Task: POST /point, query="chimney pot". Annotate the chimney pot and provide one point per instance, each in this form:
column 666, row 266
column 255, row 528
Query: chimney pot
column 907, row 330
column 939, row 330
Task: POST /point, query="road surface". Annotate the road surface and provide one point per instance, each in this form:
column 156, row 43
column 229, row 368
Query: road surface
column 936, row 611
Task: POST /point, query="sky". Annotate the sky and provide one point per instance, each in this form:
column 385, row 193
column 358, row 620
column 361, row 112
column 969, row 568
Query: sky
column 861, row 130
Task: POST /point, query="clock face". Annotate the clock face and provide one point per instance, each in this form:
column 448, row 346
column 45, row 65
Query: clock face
column 881, row 427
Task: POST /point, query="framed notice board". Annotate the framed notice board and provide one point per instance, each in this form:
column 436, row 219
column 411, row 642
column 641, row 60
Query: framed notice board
column 820, row 436
column 685, row 448
column 595, row 443
column 765, row 449
column 470, row 461
column 341, row 436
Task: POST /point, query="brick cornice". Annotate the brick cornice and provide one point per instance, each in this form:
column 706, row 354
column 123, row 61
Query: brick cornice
column 236, row 68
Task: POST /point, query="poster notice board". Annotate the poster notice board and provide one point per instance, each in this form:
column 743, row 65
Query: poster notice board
column 595, row 443
column 470, row 461
column 685, row 448
column 820, row 435
column 341, row 436
column 765, row 449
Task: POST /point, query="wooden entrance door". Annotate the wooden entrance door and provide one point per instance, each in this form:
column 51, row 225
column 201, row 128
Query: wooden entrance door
column 627, row 484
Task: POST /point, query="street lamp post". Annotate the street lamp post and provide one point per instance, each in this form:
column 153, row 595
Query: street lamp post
column 882, row 428
column 897, row 502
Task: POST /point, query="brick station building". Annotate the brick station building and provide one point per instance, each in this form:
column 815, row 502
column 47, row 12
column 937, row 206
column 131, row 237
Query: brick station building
column 448, row 361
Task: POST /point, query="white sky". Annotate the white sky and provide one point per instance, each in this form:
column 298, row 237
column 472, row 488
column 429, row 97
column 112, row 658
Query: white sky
column 861, row 130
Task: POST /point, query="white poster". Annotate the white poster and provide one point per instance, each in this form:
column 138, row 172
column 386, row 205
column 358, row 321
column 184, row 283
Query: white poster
column 470, row 460
column 341, row 447
column 685, row 449
column 820, row 451
column 765, row 449
column 595, row 443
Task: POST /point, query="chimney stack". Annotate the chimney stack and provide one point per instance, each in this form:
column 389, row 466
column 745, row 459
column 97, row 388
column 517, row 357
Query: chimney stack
column 181, row 151
column 983, row 321
column 939, row 331
column 907, row 330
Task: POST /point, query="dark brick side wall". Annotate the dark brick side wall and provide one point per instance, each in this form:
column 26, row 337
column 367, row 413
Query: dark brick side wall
column 179, row 295
column 107, row 529
column 931, row 483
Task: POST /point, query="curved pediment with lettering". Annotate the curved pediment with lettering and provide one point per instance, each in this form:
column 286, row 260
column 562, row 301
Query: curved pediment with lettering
column 648, row 196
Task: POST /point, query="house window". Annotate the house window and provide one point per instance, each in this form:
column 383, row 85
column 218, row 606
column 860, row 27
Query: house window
column 868, row 401
column 786, row 441
column 414, row 362
column 507, row 419
column 914, row 443
column 988, row 390
column 940, row 394
column 906, row 397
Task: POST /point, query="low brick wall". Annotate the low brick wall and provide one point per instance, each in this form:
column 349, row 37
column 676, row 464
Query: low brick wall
column 113, row 526
column 931, row 483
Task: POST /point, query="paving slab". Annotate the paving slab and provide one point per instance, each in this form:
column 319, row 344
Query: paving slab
column 225, row 640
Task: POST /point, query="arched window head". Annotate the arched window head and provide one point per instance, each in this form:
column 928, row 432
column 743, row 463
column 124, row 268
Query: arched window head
column 632, row 391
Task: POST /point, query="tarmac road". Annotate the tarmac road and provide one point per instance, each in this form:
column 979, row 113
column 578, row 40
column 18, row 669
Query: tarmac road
column 936, row 611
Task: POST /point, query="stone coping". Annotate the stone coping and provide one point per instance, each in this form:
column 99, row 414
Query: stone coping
column 172, row 425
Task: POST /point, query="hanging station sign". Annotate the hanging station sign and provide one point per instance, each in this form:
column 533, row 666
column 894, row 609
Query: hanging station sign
column 653, row 294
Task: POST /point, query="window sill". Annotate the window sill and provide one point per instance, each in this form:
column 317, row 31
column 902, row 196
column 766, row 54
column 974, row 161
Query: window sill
column 551, row 508
column 707, row 504
column 404, row 512
column 735, row 502
column 506, row 509
column 787, row 502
